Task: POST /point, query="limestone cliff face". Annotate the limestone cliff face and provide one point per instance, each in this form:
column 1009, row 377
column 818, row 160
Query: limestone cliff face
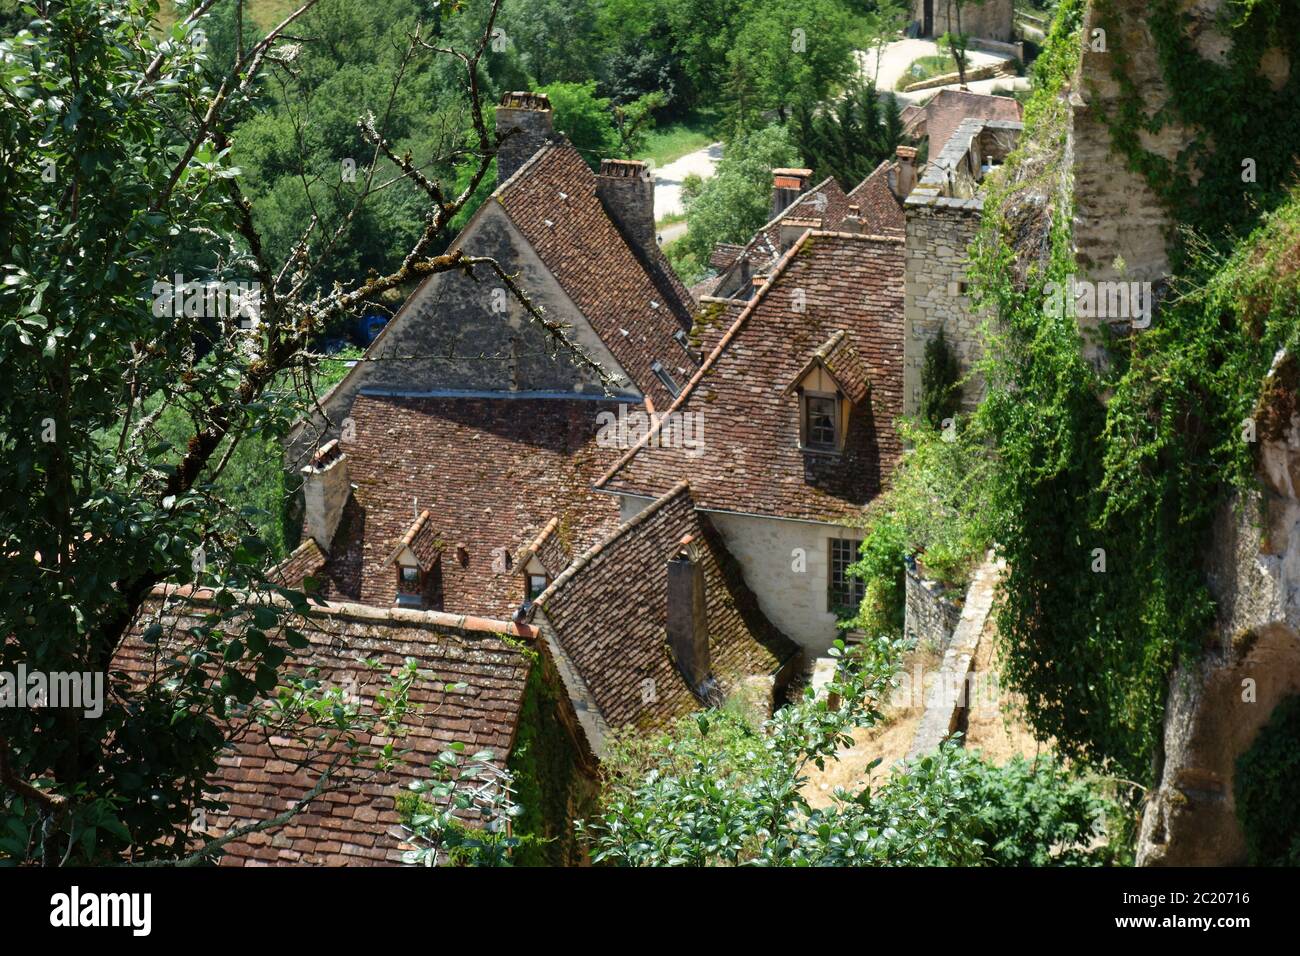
column 1217, row 708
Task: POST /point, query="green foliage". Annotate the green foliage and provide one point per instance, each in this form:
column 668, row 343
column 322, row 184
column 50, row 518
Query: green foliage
column 1267, row 790
column 883, row 554
column 737, row 201
column 1204, row 184
column 785, row 51
column 548, row 782
column 1129, row 485
column 849, row 138
column 461, row 814
column 585, row 119
column 940, row 382
column 714, row 790
column 1034, row 813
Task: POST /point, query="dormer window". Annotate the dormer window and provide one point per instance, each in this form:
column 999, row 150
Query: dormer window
column 416, row 561
column 831, row 387
column 666, row 378
column 537, row 583
column 821, row 422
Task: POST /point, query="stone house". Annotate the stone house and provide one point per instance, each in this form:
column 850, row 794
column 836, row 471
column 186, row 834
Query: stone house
column 981, row 19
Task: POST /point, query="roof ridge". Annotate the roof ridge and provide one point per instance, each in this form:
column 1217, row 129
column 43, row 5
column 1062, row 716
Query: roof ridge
column 712, row 357
column 580, row 562
column 518, row 173
column 794, row 202
column 463, row 623
column 531, row 548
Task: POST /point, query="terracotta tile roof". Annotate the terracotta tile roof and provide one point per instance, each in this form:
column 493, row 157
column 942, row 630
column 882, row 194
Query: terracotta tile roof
column 632, row 298
column 422, row 541
column 262, row 777
column 492, row 472
column 307, row 560
column 841, row 360
column 881, row 211
column 826, row 202
column 608, row 612
column 948, row 108
column 752, row 461
column 548, row 548
column 724, row 254
column 712, row 320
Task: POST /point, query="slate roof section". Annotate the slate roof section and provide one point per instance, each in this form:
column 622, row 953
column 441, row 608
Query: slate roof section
column 881, row 211
column 492, row 472
column 608, row 613
column 262, row 777
column 632, row 298
column 752, row 462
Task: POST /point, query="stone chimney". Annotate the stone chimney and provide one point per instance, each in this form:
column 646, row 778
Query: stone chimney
column 906, row 171
column 325, row 490
column 688, row 625
column 787, row 186
column 529, row 115
column 791, row 229
column 627, row 191
column 853, row 221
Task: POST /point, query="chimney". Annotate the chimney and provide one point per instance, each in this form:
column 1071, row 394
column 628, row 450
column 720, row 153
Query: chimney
column 627, row 191
column 791, row 229
column 688, row 626
column 325, row 490
column 853, row 221
column 906, row 171
column 787, row 186
column 529, row 115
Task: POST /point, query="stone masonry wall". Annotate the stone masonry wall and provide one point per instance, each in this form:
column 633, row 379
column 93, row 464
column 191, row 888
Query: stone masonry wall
column 990, row 20
column 939, row 231
column 931, row 615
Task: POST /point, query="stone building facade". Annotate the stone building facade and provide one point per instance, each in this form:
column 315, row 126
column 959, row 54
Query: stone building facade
column 943, row 216
column 989, row 20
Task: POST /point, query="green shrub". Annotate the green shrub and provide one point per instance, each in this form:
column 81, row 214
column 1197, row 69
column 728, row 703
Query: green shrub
column 1267, row 789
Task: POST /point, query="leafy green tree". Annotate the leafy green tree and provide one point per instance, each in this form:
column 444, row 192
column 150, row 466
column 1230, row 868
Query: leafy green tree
column 635, row 120
column 737, row 201
column 714, row 790
column 940, row 382
column 787, row 50
column 118, row 150
column 585, row 118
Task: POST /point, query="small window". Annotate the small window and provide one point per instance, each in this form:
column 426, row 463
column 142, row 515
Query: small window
column 408, row 579
column 536, row 585
column 844, row 591
column 669, row 382
column 820, row 422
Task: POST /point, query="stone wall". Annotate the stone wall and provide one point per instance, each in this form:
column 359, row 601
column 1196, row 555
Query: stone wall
column 931, row 615
column 943, row 215
column 991, row 20
column 1218, row 705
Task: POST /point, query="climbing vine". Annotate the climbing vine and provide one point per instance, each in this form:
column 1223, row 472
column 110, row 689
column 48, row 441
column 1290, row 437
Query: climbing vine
column 1104, row 483
column 1241, row 159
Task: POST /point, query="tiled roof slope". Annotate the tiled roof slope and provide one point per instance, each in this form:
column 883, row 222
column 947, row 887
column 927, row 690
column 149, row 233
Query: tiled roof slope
column 752, row 461
column 358, row 825
column 825, row 201
column 948, row 108
column 608, row 612
column 491, row 471
column 633, row 299
column 881, row 211
column 307, row 560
